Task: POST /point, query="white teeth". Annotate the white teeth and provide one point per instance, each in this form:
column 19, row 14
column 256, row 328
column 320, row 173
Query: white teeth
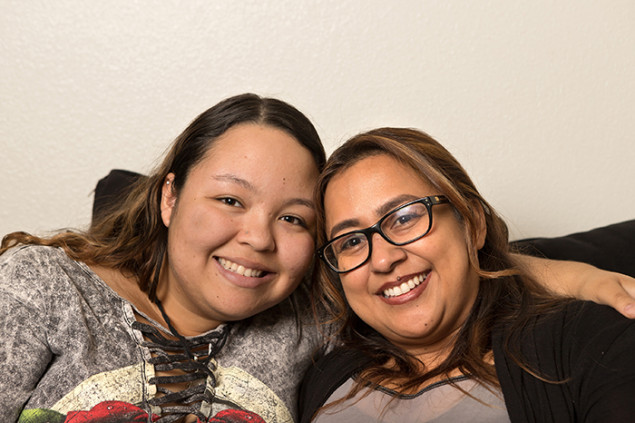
column 405, row 286
column 240, row 269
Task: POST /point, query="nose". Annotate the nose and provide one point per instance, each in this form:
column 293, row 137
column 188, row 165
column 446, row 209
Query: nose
column 257, row 232
column 385, row 256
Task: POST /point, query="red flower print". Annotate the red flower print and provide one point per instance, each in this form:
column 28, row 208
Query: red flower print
column 110, row 412
column 236, row 416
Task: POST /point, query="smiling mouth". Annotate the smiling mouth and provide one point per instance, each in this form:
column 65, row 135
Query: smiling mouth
column 240, row 269
column 405, row 287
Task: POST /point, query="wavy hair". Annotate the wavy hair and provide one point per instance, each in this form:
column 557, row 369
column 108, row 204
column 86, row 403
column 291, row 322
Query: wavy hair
column 506, row 296
column 131, row 236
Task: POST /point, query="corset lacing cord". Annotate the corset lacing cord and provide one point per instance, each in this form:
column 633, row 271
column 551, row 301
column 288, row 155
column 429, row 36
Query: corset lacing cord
column 188, row 356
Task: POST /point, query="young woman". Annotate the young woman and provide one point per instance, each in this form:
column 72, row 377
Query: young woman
column 438, row 323
column 172, row 306
column 178, row 304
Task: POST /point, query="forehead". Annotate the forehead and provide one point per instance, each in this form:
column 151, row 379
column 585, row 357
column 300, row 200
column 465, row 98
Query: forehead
column 252, row 139
column 260, row 154
column 380, row 172
column 363, row 188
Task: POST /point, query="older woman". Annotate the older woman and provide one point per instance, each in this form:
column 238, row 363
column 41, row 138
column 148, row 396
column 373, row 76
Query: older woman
column 438, row 323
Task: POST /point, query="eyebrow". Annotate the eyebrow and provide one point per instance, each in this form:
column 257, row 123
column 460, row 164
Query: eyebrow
column 395, row 202
column 302, row 202
column 235, row 179
column 379, row 211
column 228, row 177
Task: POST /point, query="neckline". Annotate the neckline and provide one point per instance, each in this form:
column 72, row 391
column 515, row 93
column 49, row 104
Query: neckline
column 392, row 392
column 132, row 307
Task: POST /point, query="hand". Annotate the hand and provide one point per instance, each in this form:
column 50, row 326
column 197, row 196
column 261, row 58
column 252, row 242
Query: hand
column 609, row 288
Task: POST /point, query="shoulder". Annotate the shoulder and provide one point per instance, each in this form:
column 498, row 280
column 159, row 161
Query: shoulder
column 25, row 265
column 32, row 259
column 326, row 375
column 580, row 338
column 35, row 259
column 597, row 333
column 336, row 367
column 584, row 347
column 583, row 323
column 36, row 275
column 575, row 320
column 281, row 337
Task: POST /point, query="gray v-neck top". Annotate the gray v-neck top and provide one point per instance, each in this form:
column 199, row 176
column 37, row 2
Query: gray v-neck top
column 437, row 403
column 68, row 343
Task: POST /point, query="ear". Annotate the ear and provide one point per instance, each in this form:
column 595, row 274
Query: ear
column 168, row 199
column 481, row 225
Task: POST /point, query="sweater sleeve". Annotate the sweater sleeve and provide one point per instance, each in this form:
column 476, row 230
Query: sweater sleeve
column 604, row 373
column 582, row 360
column 24, row 353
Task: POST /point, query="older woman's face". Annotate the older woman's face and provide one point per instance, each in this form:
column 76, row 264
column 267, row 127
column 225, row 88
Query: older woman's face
column 419, row 319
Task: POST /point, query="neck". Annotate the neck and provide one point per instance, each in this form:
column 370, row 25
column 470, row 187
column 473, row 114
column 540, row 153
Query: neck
column 183, row 318
column 127, row 287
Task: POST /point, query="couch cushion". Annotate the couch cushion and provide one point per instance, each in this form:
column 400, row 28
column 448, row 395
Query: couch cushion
column 112, row 188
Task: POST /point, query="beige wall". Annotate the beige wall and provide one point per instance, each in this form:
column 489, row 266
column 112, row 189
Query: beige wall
column 536, row 98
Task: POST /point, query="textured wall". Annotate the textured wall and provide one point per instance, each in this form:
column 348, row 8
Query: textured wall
column 537, row 99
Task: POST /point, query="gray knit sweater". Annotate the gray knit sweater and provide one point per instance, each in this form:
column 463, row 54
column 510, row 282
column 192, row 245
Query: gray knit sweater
column 69, row 343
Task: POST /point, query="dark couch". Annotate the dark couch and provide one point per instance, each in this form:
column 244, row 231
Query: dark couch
column 610, row 247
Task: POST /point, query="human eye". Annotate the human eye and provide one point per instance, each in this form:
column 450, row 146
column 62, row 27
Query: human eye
column 294, row 220
column 405, row 218
column 350, row 244
column 230, row 201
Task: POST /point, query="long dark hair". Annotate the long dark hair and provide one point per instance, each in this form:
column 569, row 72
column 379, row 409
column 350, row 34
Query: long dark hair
column 131, row 237
column 506, row 296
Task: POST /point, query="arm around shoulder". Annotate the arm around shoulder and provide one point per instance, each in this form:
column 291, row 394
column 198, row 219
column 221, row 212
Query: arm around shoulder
column 595, row 265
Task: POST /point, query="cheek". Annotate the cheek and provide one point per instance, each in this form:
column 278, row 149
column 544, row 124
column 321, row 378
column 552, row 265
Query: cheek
column 204, row 228
column 359, row 303
column 354, row 286
column 296, row 254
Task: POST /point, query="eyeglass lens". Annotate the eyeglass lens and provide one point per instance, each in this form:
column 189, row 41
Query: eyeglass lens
column 399, row 227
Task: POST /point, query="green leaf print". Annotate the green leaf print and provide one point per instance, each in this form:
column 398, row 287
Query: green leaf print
column 41, row 415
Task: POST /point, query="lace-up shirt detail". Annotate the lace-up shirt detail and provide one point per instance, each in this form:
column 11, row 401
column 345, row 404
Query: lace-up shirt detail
column 74, row 348
column 182, row 362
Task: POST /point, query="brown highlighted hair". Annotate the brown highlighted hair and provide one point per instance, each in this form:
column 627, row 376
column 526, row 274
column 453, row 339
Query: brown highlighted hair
column 131, row 236
column 506, row 296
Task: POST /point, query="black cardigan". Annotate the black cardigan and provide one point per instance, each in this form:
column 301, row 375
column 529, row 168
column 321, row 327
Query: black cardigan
column 589, row 348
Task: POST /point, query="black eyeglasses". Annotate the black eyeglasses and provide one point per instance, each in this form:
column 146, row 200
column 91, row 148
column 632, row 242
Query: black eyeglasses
column 403, row 225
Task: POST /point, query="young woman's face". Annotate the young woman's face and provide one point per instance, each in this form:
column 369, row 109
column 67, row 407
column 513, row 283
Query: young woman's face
column 241, row 231
column 421, row 319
